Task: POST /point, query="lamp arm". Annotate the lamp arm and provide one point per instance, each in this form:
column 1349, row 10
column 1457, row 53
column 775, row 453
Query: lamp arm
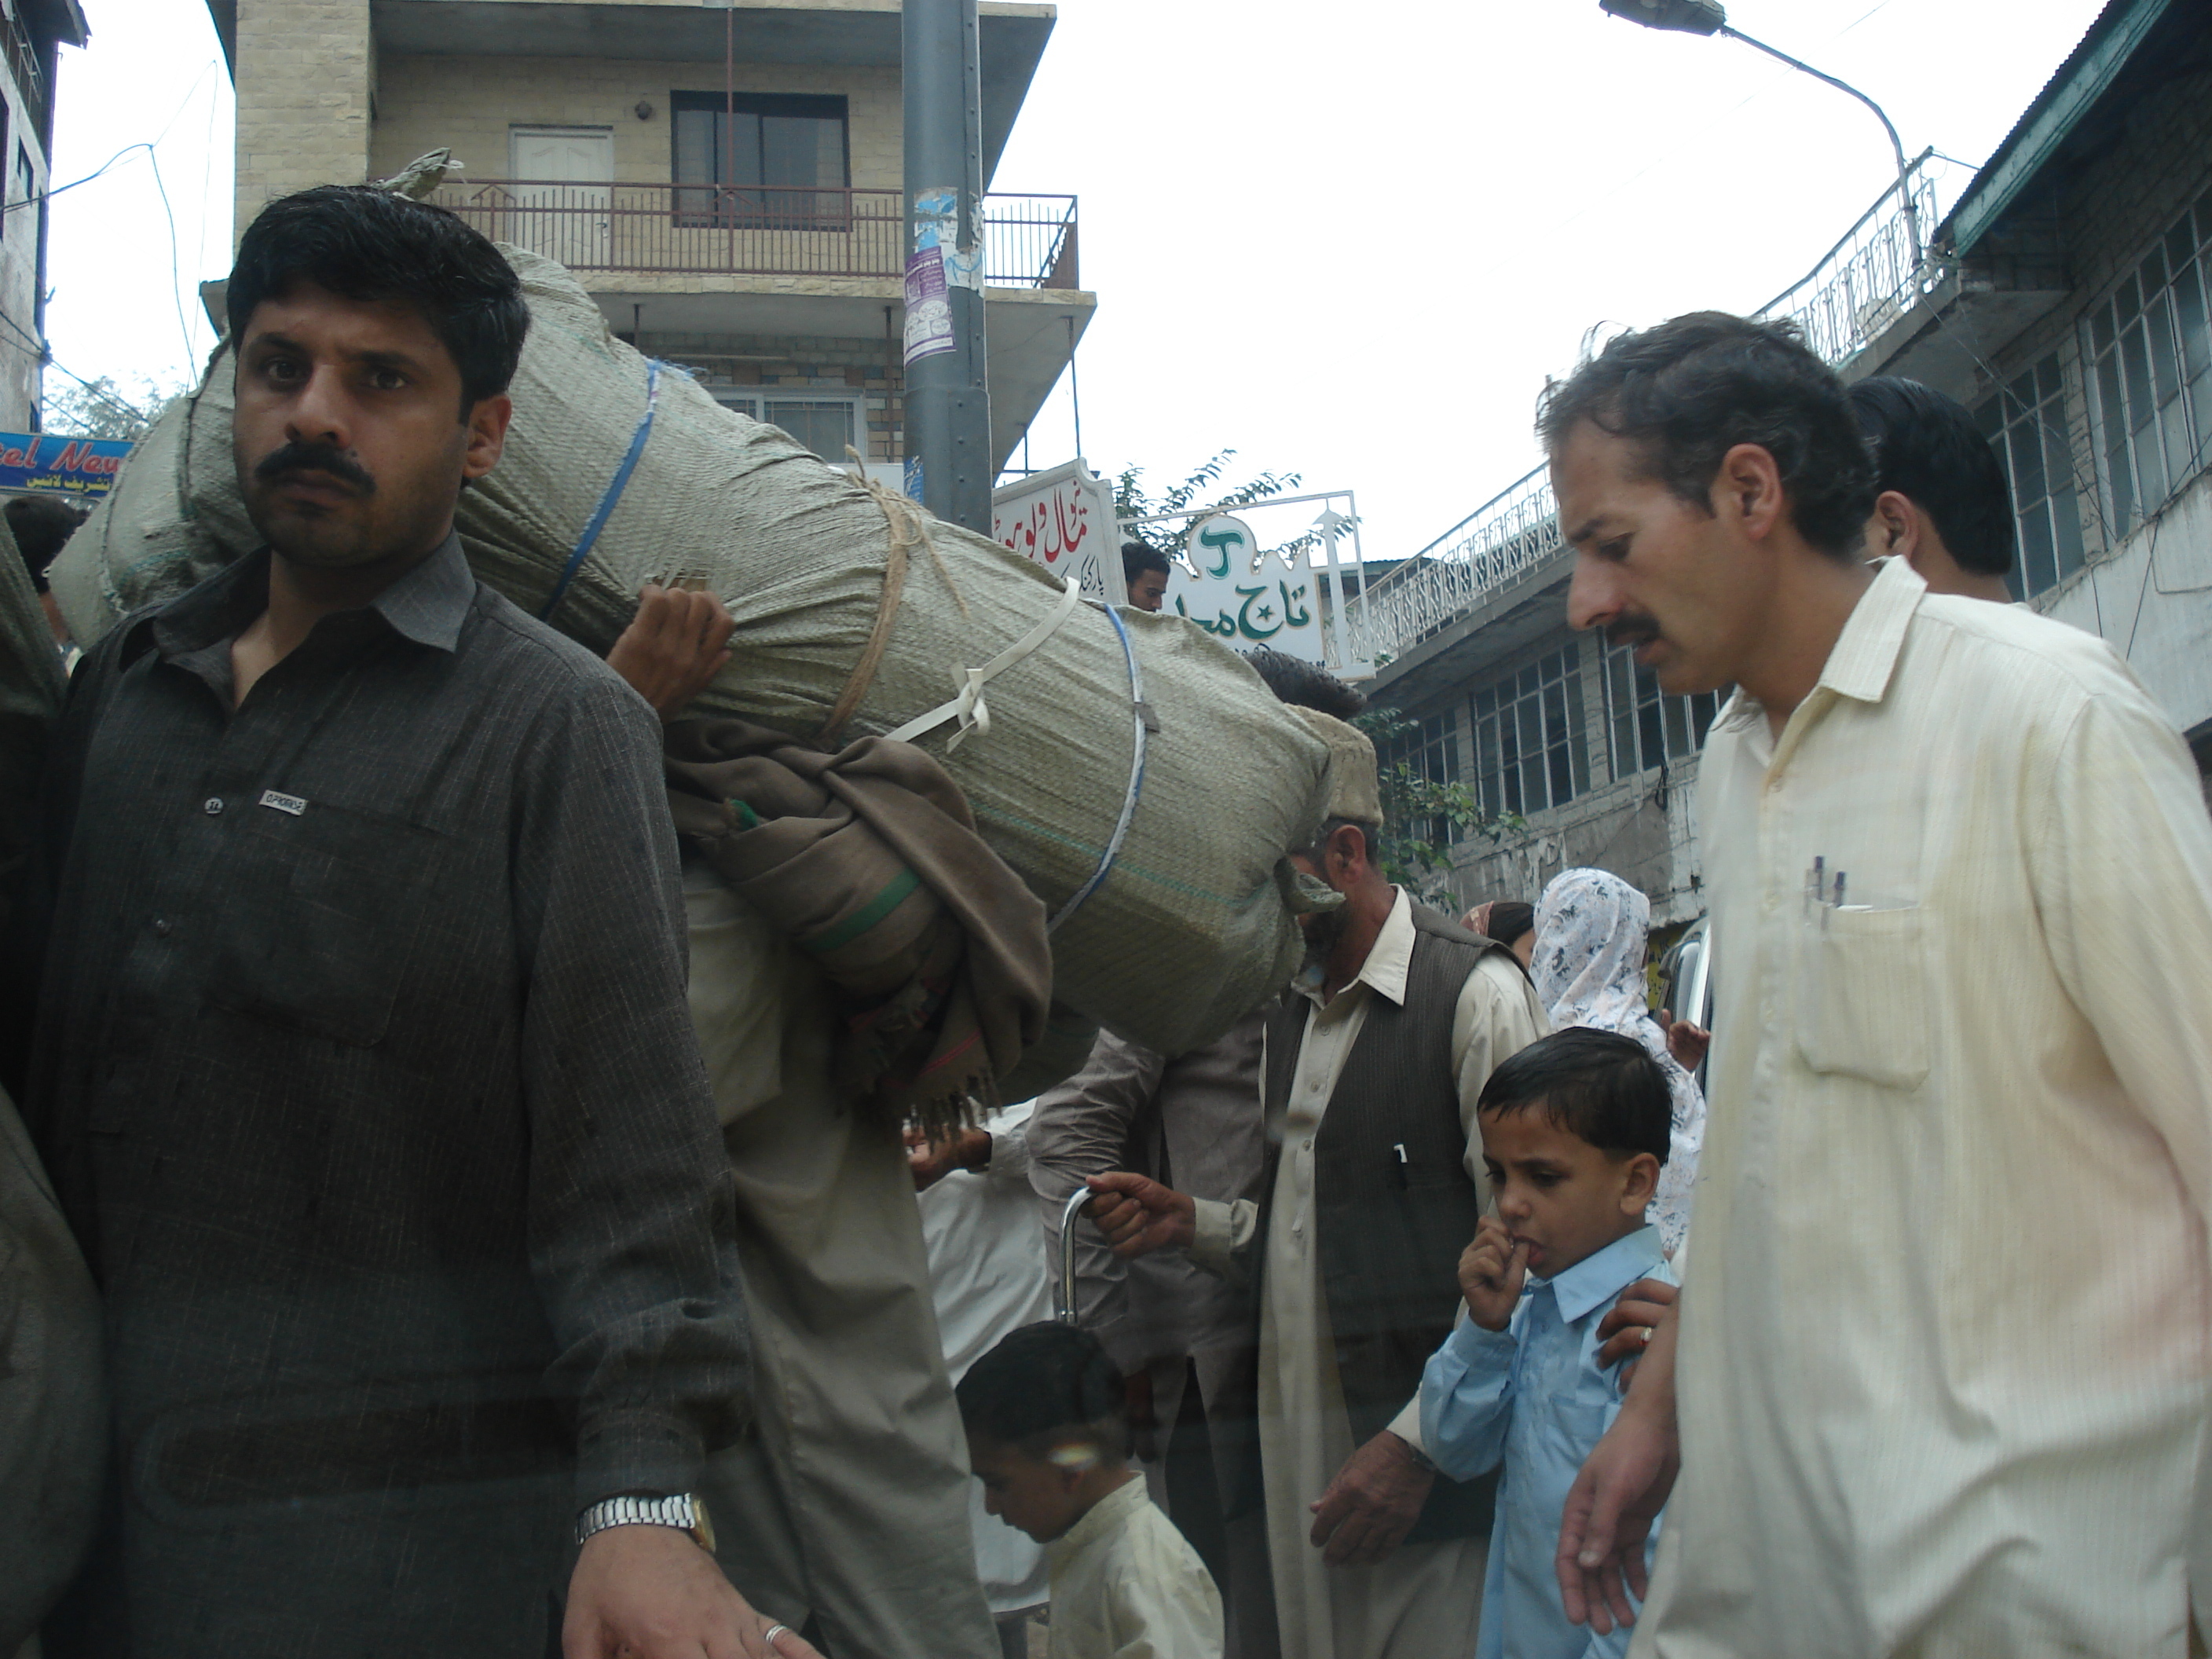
column 1896, row 144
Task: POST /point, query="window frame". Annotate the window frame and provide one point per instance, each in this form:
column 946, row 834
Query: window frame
column 1681, row 722
column 759, row 397
column 1503, row 773
column 2179, row 262
column 1430, row 748
column 2048, row 525
column 726, row 204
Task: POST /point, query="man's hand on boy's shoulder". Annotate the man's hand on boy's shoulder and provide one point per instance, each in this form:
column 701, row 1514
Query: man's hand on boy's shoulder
column 1491, row 1271
column 1626, row 1331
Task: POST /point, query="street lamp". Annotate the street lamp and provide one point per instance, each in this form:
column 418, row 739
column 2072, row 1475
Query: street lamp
column 1709, row 17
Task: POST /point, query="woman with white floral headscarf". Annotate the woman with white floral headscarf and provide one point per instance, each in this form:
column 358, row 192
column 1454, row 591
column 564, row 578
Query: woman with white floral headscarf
column 1591, row 929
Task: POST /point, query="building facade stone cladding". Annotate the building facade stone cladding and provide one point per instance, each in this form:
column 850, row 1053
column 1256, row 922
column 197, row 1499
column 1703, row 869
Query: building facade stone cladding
column 306, row 74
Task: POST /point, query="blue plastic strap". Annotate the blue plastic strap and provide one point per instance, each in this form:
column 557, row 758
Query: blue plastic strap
column 1144, row 727
column 607, row 502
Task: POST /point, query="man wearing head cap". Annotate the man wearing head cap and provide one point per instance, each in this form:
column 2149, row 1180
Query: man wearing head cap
column 1372, row 1071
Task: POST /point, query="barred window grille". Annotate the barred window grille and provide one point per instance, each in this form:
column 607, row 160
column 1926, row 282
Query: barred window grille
column 2150, row 373
column 1531, row 741
column 2025, row 423
column 1648, row 729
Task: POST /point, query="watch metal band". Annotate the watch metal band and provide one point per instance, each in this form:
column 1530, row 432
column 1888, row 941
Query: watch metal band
column 683, row 1511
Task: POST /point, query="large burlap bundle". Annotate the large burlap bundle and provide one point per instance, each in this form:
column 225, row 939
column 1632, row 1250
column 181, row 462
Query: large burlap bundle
column 1188, row 931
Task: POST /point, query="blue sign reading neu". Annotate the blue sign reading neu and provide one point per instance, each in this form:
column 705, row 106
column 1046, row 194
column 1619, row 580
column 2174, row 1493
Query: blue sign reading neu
column 44, row 461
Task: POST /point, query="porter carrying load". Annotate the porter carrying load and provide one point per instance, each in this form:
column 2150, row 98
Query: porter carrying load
column 1137, row 776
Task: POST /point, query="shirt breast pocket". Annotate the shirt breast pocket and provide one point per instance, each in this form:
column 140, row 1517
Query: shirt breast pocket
column 1862, row 995
column 325, row 919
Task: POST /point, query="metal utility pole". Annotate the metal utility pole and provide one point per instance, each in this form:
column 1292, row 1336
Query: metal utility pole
column 948, row 407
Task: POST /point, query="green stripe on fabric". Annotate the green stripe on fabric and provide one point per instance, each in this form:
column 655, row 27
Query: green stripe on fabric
column 1122, row 866
column 844, row 933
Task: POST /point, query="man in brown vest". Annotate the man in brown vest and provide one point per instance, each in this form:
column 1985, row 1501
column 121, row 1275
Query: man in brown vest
column 1375, row 1183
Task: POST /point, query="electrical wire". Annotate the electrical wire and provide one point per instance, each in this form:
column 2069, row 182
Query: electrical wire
column 146, row 144
column 48, row 195
column 176, row 271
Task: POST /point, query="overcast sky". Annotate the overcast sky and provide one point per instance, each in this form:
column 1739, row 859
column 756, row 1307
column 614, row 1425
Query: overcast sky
column 1346, row 241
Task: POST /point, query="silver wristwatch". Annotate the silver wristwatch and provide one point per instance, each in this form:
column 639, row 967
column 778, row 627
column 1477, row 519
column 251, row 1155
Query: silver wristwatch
column 684, row 1511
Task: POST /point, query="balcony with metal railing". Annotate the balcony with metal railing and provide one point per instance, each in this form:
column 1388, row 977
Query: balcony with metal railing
column 22, row 56
column 1029, row 241
column 1870, row 279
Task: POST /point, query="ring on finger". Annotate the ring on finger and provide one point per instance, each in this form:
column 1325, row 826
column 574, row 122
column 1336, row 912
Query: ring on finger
column 769, row 1635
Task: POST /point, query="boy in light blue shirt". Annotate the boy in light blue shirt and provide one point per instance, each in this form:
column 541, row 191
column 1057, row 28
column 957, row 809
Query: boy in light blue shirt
column 1574, row 1131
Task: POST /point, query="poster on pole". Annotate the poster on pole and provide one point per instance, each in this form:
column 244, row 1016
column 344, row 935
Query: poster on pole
column 1244, row 597
column 1063, row 519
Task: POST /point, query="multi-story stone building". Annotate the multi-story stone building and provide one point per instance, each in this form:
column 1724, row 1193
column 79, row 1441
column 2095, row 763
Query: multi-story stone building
column 30, row 32
column 727, row 180
column 2064, row 297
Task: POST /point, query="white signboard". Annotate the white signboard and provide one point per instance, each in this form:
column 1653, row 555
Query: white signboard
column 1063, row 519
column 1245, row 597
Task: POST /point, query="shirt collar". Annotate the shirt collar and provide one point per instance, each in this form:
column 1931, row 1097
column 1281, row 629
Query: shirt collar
column 1607, row 1273
column 1102, row 1517
column 1865, row 654
column 215, row 609
column 1388, row 959
column 428, row 605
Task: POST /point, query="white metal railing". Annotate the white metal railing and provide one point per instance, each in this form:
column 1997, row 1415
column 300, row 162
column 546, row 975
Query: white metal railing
column 1504, row 537
column 1874, row 276
column 1876, row 273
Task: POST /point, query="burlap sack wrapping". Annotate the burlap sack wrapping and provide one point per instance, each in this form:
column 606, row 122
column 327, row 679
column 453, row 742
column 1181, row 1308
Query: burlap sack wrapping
column 1188, row 931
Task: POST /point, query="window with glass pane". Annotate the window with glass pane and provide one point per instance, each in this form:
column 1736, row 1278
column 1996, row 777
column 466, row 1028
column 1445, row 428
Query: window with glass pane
column 2027, row 424
column 824, row 425
column 1429, row 748
column 2150, row 375
column 1531, row 741
column 1648, row 729
column 776, row 163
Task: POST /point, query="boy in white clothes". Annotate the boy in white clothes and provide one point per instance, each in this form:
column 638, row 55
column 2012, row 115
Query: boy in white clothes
column 1047, row 1438
column 1573, row 1131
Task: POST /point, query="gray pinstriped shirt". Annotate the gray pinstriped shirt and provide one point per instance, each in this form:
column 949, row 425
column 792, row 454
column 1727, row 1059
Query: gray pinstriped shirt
column 364, row 1073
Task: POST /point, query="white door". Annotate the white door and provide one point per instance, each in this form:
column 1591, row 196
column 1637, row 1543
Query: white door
column 564, row 202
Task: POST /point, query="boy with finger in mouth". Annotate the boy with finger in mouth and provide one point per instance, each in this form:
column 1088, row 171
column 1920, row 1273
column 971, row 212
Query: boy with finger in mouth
column 1574, row 1131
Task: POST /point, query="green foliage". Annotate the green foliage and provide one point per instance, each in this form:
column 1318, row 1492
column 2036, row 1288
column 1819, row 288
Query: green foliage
column 1132, row 499
column 102, row 408
column 1422, row 819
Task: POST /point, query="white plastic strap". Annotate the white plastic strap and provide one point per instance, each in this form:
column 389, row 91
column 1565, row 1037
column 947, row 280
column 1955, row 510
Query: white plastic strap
column 969, row 708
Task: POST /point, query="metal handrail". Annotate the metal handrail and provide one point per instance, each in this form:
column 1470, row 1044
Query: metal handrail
column 707, row 229
column 1873, row 276
column 1064, row 1306
column 1876, row 273
column 22, row 54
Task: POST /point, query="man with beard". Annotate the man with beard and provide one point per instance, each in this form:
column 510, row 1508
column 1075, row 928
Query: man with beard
column 362, row 1065
column 1369, row 1079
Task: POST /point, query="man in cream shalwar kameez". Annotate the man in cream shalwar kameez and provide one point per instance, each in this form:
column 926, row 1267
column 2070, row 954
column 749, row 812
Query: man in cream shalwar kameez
column 1421, row 1600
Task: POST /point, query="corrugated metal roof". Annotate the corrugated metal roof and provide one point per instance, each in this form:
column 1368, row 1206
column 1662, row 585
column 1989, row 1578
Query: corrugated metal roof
column 2088, row 71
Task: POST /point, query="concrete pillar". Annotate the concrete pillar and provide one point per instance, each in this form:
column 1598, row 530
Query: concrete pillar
column 306, row 77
